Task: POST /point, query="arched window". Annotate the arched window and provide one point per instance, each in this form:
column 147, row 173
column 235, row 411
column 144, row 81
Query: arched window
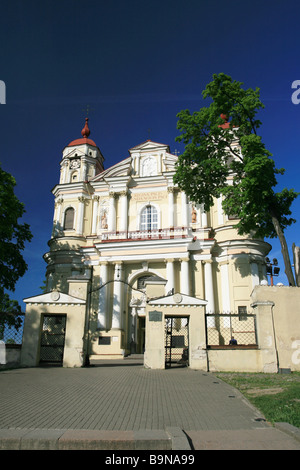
column 69, row 219
column 149, row 218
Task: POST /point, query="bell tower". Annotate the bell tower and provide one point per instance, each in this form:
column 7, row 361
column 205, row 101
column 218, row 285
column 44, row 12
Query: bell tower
column 82, row 159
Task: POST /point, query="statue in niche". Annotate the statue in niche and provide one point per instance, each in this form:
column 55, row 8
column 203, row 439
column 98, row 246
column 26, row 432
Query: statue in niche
column 194, row 215
column 104, row 220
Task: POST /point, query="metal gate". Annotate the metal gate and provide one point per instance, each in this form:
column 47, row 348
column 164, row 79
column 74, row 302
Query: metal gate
column 53, row 339
column 176, row 341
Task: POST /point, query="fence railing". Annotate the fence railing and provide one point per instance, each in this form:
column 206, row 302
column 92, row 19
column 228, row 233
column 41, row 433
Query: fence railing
column 11, row 328
column 231, row 331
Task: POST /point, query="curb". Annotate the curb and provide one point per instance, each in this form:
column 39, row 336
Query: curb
column 292, row 431
column 84, row 439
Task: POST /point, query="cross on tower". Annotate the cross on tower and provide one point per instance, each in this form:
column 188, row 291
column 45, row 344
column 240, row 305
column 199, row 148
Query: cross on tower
column 88, row 109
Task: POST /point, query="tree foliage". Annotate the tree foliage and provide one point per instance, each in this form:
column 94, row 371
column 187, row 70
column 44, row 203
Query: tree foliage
column 225, row 156
column 13, row 236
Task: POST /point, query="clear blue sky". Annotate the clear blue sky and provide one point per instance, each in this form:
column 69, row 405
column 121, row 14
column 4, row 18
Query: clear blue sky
column 136, row 64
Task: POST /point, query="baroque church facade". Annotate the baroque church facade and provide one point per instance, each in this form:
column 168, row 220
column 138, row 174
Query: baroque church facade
column 117, row 229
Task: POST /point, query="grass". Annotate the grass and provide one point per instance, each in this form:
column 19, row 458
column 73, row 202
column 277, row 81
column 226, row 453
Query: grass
column 276, row 396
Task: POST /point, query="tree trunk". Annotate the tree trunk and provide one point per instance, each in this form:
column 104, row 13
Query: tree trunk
column 296, row 253
column 284, row 251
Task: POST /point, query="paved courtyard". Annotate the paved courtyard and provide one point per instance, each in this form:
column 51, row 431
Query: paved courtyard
column 124, row 396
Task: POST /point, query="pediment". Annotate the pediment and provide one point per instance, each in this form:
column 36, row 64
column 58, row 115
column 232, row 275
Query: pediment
column 149, row 145
column 53, row 297
column 73, row 152
column 178, row 299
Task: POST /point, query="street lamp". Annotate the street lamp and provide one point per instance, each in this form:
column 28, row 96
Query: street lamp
column 272, row 269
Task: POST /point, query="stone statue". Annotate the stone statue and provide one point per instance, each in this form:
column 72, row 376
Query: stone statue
column 194, row 215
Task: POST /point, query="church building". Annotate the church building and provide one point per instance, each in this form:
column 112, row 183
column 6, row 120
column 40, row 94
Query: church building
column 115, row 232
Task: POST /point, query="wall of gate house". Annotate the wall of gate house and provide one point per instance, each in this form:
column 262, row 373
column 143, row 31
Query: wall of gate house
column 154, row 357
column 57, row 303
column 277, row 311
column 281, row 306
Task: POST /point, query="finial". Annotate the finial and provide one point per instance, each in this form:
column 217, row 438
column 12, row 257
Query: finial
column 224, row 117
column 226, row 123
column 86, row 131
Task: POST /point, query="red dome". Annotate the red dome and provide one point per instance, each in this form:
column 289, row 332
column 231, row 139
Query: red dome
column 84, row 140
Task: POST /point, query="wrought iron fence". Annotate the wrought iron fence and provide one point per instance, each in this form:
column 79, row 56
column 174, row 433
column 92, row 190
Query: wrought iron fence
column 176, row 340
column 231, row 331
column 11, row 327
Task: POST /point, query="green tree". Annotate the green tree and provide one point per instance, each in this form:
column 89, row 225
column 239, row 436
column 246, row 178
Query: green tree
column 222, row 144
column 13, row 236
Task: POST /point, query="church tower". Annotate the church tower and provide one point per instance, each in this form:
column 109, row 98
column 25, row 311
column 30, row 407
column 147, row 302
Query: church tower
column 81, row 161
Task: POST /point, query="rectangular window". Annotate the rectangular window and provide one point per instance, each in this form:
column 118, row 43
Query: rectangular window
column 242, row 312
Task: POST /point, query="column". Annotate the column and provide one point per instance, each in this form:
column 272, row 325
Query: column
column 80, row 214
column 124, row 211
column 185, row 277
column 83, row 170
column 209, row 290
column 170, row 275
column 220, row 211
column 255, row 274
column 184, row 210
column 57, row 225
column 102, row 314
column 137, row 164
column 133, row 330
column 50, row 282
column 203, row 217
column 64, row 168
column 117, row 297
column 226, row 305
column 112, row 212
column 95, row 214
column 171, row 206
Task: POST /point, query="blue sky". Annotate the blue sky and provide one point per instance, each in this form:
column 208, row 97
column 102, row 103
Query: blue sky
column 136, row 64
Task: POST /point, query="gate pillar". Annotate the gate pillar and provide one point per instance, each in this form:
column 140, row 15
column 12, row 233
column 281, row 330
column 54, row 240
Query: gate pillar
column 154, row 356
column 177, row 305
column 198, row 352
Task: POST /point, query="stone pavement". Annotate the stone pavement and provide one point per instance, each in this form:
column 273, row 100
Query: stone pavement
column 122, row 405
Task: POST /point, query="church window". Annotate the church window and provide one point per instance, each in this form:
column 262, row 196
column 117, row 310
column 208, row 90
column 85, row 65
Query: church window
column 242, row 312
column 69, row 219
column 149, row 218
column 74, row 176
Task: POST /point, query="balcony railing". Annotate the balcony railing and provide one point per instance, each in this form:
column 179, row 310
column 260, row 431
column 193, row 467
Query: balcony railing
column 136, row 235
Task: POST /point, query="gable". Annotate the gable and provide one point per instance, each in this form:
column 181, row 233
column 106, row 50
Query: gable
column 149, row 145
column 146, row 159
column 53, row 297
column 178, row 299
